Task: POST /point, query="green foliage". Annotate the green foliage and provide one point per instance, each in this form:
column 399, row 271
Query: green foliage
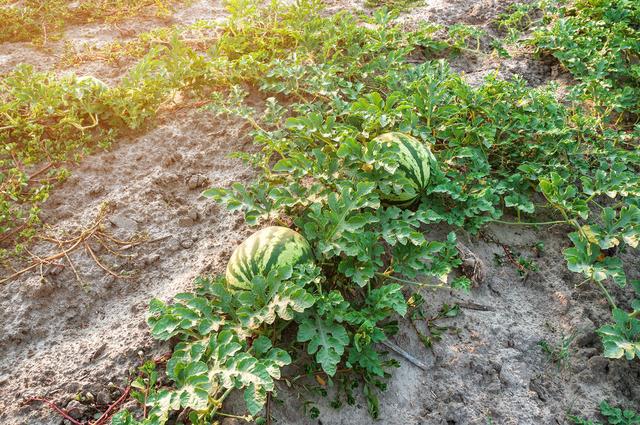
column 622, row 338
column 37, row 112
column 517, row 18
column 617, row 416
column 400, row 5
column 613, row 415
column 341, row 216
column 486, row 163
column 39, row 21
column 597, row 41
column 586, row 258
column 226, row 339
column 224, row 342
column 464, row 36
column 500, row 148
column 326, row 338
column 435, row 329
column 560, row 352
column 48, row 120
column 497, row 147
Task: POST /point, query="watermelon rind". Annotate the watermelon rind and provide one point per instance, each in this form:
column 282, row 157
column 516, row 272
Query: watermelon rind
column 414, row 160
column 267, row 249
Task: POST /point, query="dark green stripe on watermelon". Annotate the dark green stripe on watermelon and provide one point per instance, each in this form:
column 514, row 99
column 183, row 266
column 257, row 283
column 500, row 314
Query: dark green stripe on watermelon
column 248, row 262
column 418, row 161
column 264, row 251
column 410, row 174
column 280, row 244
column 414, row 160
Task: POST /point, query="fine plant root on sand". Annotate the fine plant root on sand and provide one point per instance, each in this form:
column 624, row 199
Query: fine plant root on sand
column 111, row 409
column 65, row 414
column 95, row 233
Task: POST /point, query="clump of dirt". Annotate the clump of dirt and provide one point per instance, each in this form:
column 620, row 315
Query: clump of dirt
column 60, row 338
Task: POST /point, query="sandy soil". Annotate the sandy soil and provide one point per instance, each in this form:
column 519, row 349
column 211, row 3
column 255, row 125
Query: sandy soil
column 59, row 338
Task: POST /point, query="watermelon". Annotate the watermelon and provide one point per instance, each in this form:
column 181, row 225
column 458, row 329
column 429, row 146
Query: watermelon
column 414, row 160
column 265, row 250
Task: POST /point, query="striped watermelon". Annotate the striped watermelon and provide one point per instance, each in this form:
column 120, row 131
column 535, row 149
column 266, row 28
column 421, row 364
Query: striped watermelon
column 414, row 160
column 269, row 248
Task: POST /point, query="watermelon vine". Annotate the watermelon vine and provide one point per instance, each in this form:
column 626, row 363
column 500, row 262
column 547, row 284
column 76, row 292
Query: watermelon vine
column 499, row 152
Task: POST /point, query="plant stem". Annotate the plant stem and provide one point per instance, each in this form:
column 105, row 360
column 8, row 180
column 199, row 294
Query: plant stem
column 520, row 223
column 228, row 415
column 53, row 406
column 319, row 372
column 405, row 355
column 606, row 294
column 412, row 282
column 220, row 400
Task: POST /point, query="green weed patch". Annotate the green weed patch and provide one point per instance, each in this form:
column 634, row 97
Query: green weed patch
column 597, row 41
column 48, row 122
column 613, row 415
column 39, row 21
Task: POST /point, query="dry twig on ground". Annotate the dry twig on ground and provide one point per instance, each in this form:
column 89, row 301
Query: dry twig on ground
column 94, row 232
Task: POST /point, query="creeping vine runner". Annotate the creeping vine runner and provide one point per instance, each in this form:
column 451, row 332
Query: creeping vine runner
column 465, row 156
column 500, row 148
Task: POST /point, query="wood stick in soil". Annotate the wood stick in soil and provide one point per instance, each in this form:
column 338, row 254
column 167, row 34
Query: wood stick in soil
column 268, row 408
column 402, row 353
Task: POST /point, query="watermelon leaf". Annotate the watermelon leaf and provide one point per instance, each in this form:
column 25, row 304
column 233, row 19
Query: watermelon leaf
column 276, row 296
column 328, row 225
column 336, row 167
column 586, row 257
column 563, row 196
column 255, row 397
column 326, row 339
column 364, row 257
column 622, row 338
column 192, row 312
column 383, row 300
column 192, row 384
